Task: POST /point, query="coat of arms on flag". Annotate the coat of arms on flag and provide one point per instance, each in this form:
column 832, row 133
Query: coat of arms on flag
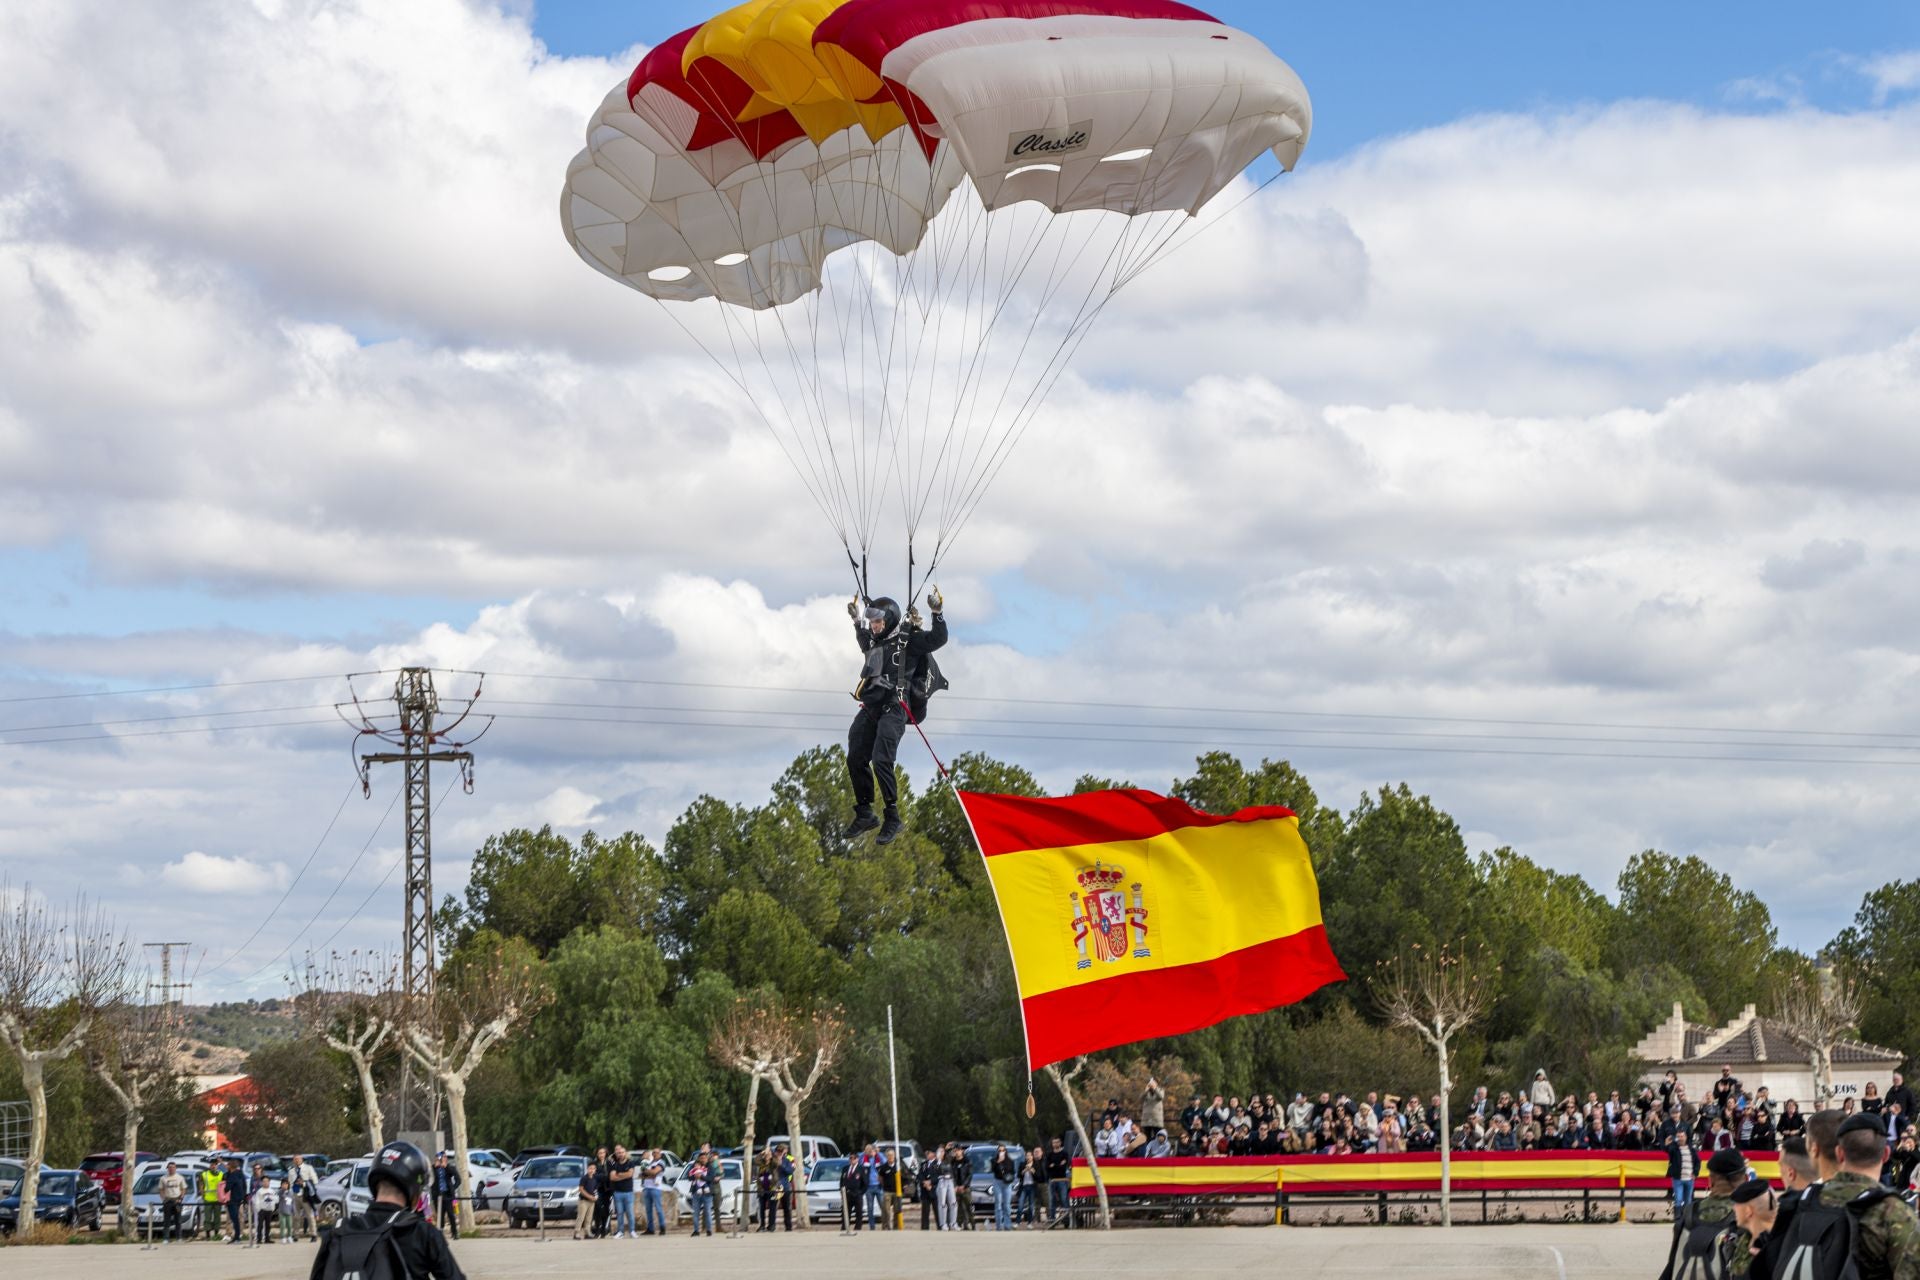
column 1101, row 918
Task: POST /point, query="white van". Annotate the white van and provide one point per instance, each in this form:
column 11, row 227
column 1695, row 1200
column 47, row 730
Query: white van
column 813, row 1147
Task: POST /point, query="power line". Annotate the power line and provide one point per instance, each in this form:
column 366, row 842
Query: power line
column 1206, row 728
column 317, row 845
column 347, row 875
column 1267, row 745
column 178, row 715
column 165, row 733
column 177, row 688
column 1238, row 711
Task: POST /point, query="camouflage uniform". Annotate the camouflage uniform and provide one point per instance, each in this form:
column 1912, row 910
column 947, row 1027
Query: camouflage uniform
column 1735, row 1243
column 1887, row 1245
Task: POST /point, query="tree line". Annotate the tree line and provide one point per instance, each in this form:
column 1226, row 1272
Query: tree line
column 634, row 959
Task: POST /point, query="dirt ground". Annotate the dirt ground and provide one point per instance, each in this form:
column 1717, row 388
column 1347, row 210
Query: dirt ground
column 1536, row 1251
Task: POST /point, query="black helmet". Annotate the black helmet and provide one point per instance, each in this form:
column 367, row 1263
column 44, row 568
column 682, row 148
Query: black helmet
column 404, row 1165
column 884, row 608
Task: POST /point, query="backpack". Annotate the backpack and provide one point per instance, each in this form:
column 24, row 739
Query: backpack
column 926, row 682
column 1822, row 1237
column 1699, row 1248
column 359, row 1250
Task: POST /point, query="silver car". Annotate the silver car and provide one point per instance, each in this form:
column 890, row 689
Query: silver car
column 147, row 1216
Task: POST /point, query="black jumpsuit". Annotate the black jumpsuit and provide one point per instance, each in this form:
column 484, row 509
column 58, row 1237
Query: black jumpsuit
column 873, row 740
column 421, row 1245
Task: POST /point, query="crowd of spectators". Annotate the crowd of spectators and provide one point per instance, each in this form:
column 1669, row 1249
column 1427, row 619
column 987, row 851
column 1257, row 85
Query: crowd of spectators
column 1533, row 1118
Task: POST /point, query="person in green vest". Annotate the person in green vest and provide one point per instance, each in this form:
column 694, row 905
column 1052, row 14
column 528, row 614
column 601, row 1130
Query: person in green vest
column 210, row 1178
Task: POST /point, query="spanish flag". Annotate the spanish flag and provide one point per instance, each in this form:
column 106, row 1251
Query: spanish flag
column 1131, row 915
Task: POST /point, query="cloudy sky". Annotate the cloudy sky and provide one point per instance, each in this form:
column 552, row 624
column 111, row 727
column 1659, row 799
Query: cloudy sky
column 1546, row 441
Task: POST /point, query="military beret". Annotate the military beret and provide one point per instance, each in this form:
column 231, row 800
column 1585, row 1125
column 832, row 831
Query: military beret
column 1864, row 1123
column 1751, row 1189
column 1726, row 1163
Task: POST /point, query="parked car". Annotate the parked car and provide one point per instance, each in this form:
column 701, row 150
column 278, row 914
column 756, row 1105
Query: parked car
column 529, row 1153
column 67, row 1196
column 492, row 1187
column 108, row 1168
column 823, row 1189
column 547, row 1187
column 334, row 1187
column 146, row 1196
column 11, row 1171
column 726, row 1190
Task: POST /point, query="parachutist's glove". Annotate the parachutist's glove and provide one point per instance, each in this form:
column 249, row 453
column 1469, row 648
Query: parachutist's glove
column 913, row 618
column 853, row 610
column 936, row 601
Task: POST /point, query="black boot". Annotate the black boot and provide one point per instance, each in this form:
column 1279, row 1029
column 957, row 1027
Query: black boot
column 863, row 822
column 890, row 829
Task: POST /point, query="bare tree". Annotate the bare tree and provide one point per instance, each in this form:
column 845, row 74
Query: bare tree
column 58, row 970
column 1063, row 1080
column 352, row 1005
column 748, row 1040
column 793, row 1052
column 131, row 1052
column 477, row 1001
column 1819, row 1009
column 1436, row 994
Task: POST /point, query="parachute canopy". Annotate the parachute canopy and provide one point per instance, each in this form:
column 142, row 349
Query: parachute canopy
column 800, row 163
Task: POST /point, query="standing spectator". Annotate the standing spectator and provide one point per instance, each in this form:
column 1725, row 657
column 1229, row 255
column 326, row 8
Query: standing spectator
column 927, row 1183
column 1900, row 1093
column 1032, row 1175
column 1153, row 1107
column 1004, row 1173
column 173, row 1190
column 446, row 1195
column 763, row 1186
column 286, row 1197
column 1870, row 1099
column 1683, row 1166
column 853, row 1183
column 212, row 1181
column 1726, row 1088
column 1897, row 1121
column 306, row 1198
column 700, row 1184
column 1792, row 1123
column 1194, row 1114
column 653, row 1169
column 877, row 1176
column 620, row 1182
column 1059, row 1169
column 233, row 1194
column 264, row 1201
column 783, row 1170
column 603, row 1197
column 945, row 1196
column 962, row 1167
column 589, row 1200
column 1479, row 1104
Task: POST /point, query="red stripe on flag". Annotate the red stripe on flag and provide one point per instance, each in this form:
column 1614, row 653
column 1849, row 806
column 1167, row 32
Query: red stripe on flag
column 1014, row 824
column 1169, row 1002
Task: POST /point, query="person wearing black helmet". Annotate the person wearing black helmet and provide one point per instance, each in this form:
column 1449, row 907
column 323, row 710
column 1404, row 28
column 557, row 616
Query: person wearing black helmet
column 390, row 1238
column 892, row 652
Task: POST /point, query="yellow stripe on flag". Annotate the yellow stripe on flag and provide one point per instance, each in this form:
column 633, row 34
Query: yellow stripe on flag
column 1207, row 892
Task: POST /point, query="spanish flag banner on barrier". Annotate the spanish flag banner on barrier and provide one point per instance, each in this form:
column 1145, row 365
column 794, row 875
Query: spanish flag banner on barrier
column 1131, row 915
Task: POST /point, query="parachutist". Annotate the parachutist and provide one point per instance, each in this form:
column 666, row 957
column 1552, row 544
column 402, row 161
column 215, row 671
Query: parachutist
column 898, row 664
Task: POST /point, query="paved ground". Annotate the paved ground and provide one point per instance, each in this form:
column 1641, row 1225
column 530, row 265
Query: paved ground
column 1537, row 1252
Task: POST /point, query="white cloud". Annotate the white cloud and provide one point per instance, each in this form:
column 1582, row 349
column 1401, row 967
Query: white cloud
column 210, row 873
column 1892, row 73
column 1598, row 416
